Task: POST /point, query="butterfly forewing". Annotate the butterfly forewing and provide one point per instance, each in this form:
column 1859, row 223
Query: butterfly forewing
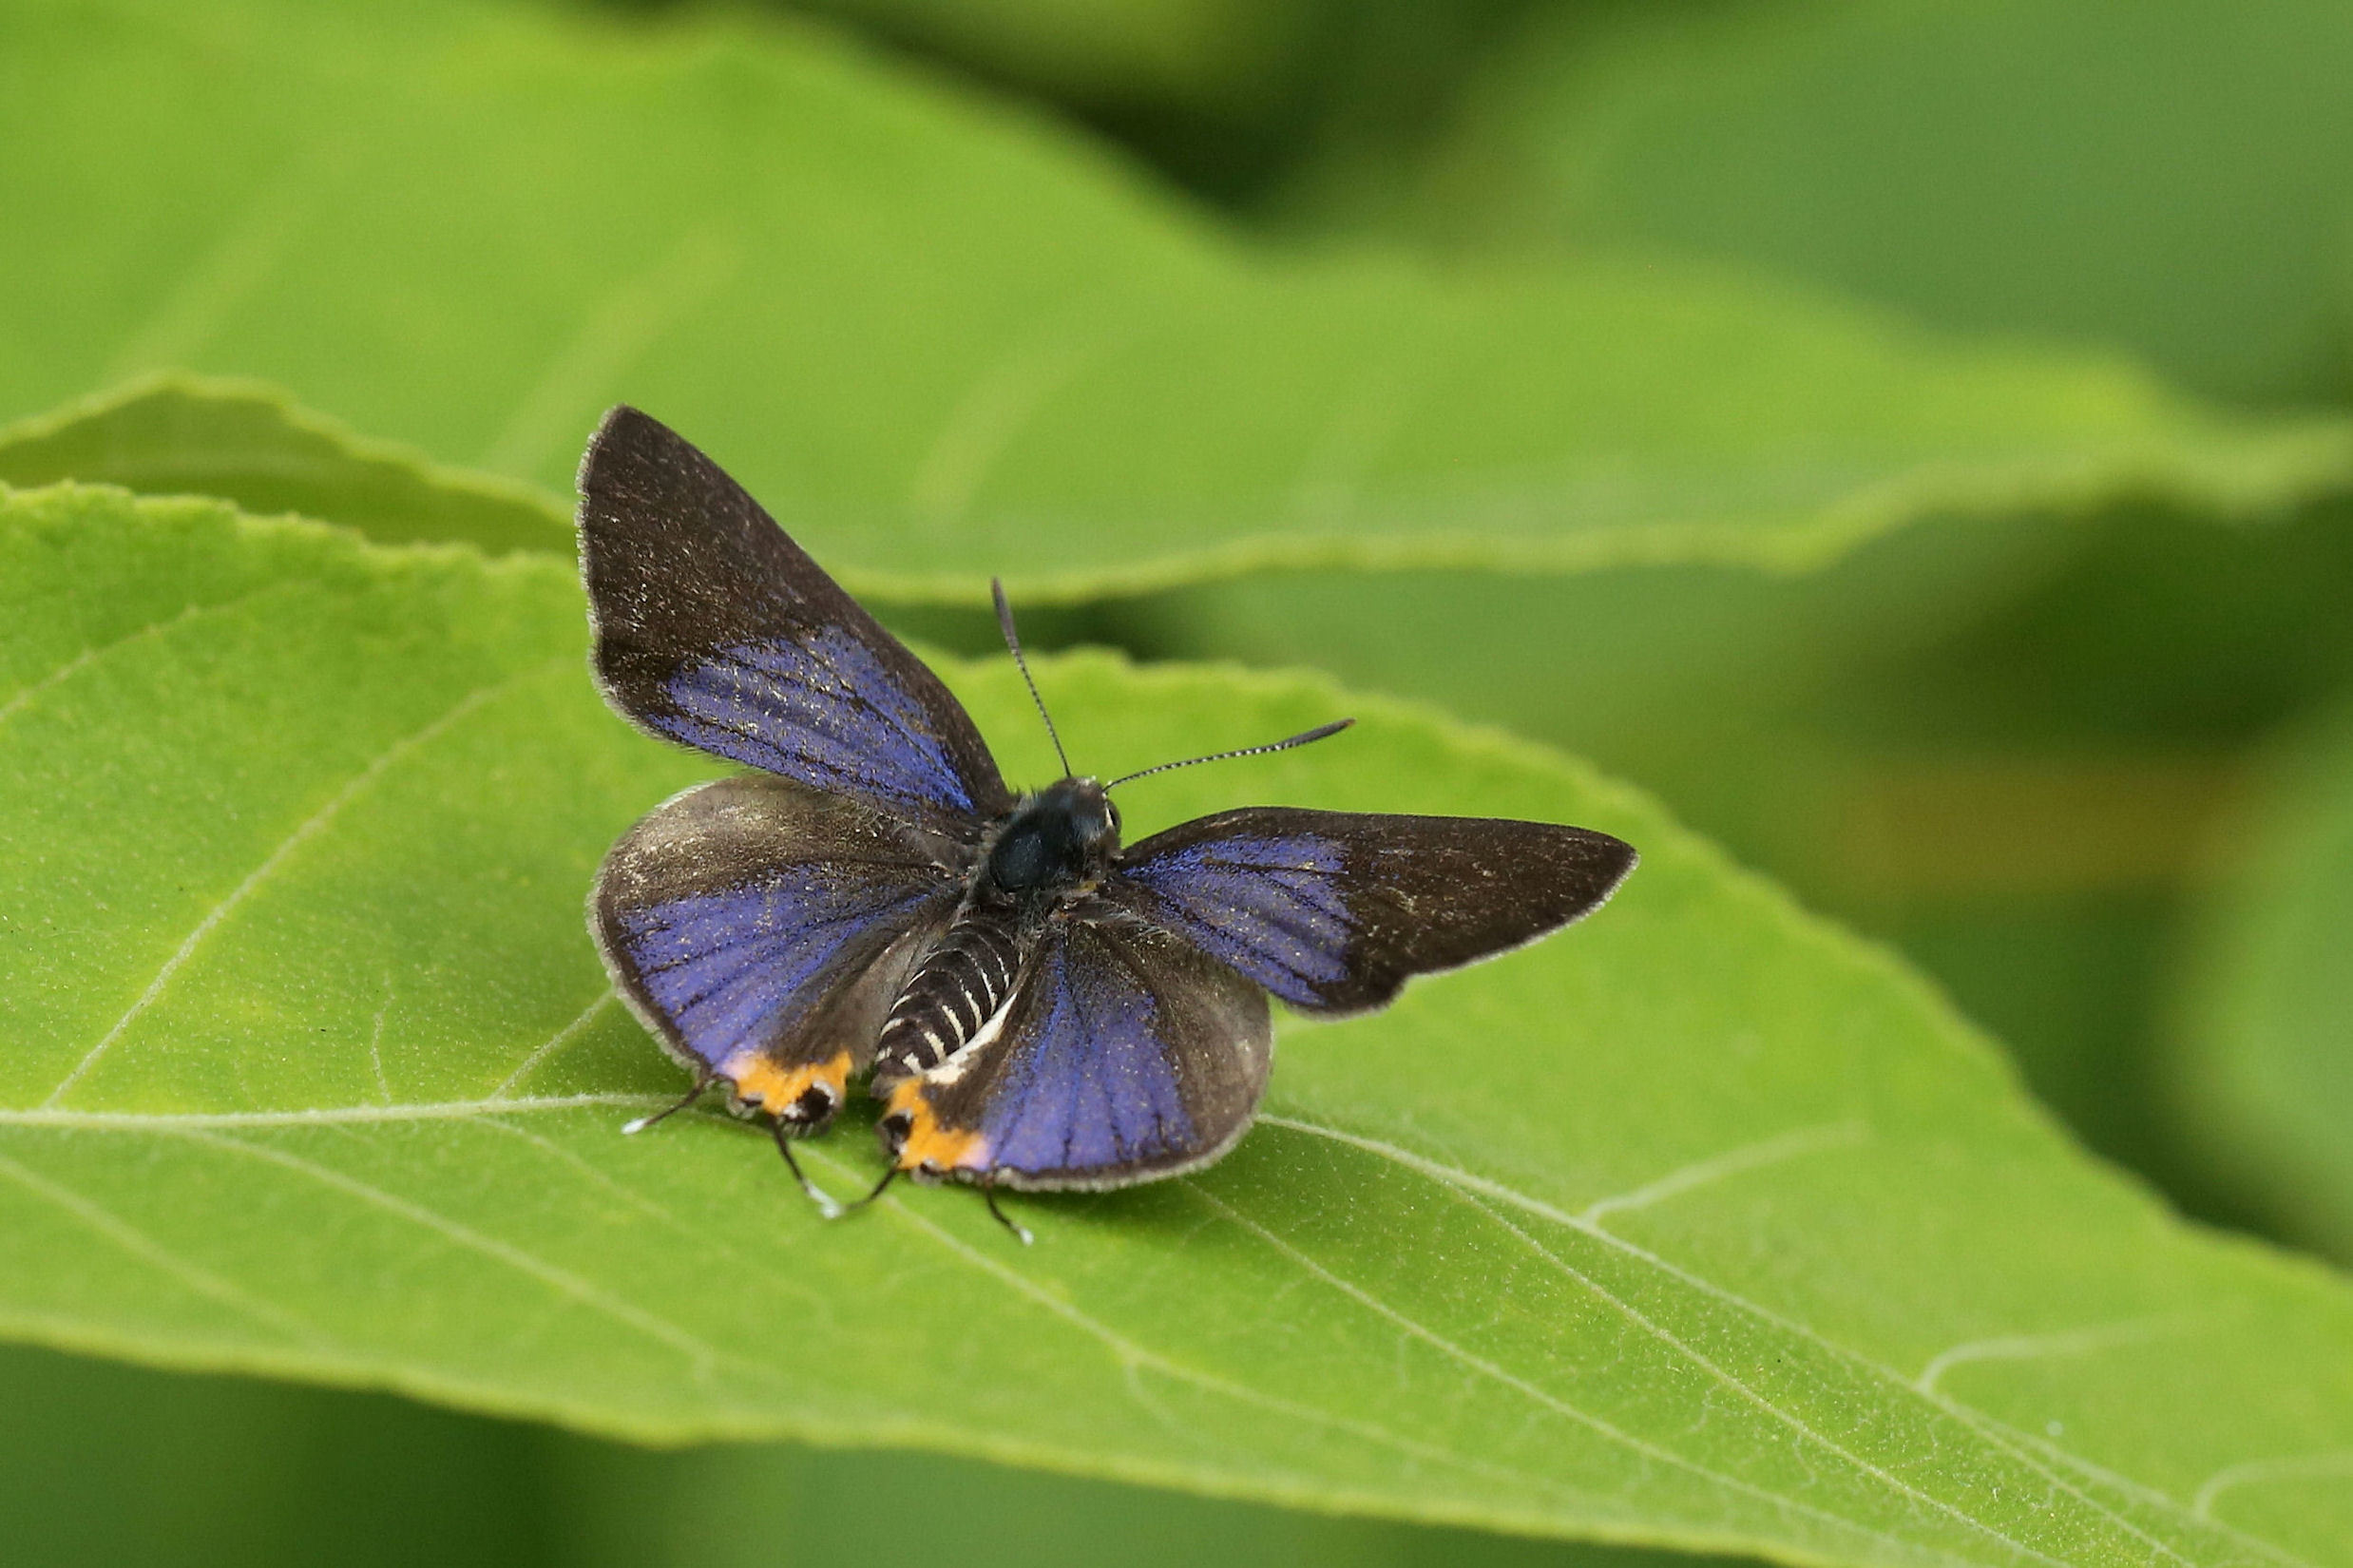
column 1332, row 912
column 714, row 629
column 1124, row 1053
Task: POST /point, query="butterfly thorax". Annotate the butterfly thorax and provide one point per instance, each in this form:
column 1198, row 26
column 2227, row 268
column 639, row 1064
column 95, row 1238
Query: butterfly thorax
column 1050, row 849
column 1053, row 843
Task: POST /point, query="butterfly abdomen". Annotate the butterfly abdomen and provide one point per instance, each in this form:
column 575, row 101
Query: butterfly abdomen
column 960, row 984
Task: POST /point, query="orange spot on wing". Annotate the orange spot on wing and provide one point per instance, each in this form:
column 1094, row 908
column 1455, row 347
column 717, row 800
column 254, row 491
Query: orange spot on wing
column 927, row 1142
column 762, row 1083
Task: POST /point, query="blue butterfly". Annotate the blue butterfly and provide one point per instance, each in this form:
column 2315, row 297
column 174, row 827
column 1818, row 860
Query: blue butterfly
column 1034, row 1005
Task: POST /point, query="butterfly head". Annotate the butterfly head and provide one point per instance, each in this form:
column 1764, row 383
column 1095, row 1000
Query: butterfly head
column 1064, row 835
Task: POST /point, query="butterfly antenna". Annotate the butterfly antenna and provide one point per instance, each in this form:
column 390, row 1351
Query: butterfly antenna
column 1005, row 624
column 1321, row 732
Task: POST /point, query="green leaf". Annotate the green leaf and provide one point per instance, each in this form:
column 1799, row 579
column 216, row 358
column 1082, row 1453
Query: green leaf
column 946, row 344
column 1213, row 58
column 2169, row 177
column 1700, row 1225
column 236, row 1473
column 2266, row 1077
column 246, row 442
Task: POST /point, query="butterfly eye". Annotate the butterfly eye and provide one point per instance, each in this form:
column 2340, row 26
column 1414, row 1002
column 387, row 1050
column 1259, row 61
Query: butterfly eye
column 894, row 1130
column 1111, row 813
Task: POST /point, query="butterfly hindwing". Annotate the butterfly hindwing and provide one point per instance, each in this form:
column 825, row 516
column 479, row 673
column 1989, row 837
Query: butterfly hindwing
column 1332, row 912
column 1124, row 1053
column 714, row 628
column 762, row 929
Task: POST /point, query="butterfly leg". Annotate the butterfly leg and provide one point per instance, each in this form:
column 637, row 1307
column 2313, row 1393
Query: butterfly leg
column 988, row 1190
column 827, row 1205
column 691, row 1095
column 889, row 1176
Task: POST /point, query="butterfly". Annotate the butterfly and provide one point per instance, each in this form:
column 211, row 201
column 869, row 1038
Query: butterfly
column 1033, row 1005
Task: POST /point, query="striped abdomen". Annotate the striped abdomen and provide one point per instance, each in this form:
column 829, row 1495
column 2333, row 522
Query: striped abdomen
column 957, row 987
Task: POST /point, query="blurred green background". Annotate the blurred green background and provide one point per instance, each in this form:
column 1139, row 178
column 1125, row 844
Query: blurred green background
column 2090, row 771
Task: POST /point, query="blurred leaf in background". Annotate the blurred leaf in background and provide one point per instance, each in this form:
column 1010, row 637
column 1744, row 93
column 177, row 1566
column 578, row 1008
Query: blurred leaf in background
column 1203, row 87
column 105, row 1464
column 2266, row 1075
column 947, row 342
column 1217, row 60
column 178, row 434
column 1225, row 97
column 2173, row 178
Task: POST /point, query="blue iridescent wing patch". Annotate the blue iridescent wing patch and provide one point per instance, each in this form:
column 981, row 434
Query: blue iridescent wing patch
column 1332, row 912
column 714, row 628
column 761, row 930
column 821, row 710
column 1123, row 1055
column 1269, row 905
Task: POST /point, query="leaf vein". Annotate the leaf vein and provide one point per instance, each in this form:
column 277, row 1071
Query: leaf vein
column 554, row 1044
column 2017, row 1444
column 715, row 1237
column 1131, row 1355
column 2069, row 1342
column 24, row 695
column 1610, row 1430
column 1751, row 1156
column 702, row 1356
column 2289, row 1468
column 147, row 1249
column 444, row 1110
column 306, row 829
